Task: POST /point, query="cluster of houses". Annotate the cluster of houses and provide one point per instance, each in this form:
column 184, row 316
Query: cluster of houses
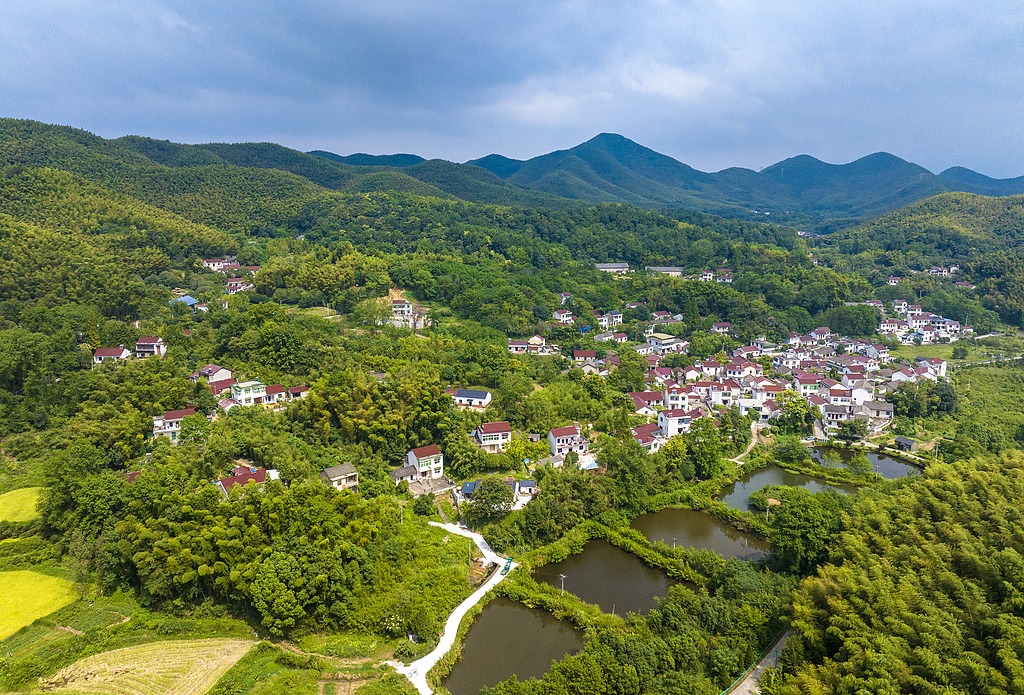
column 229, row 266
column 233, row 393
column 146, row 346
column 912, row 325
column 721, row 275
column 678, row 397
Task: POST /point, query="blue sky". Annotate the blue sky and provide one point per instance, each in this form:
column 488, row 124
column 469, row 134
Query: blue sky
column 713, row 84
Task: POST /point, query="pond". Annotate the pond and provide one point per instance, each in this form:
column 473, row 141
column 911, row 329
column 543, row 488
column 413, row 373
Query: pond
column 886, row 466
column 507, row 639
column 738, row 494
column 699, row 530
column 615, row 580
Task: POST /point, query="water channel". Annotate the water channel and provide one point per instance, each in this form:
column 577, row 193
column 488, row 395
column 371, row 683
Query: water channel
column 699, row 530
column 886, row 466
column 507, row 639
column 610, row 577
column 738, row 494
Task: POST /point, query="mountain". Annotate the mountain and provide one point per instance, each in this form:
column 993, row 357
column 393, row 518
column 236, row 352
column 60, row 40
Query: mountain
column 371, row 160
column 800, row 190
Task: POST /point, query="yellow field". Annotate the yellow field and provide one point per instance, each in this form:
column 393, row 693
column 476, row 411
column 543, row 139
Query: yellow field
column 185, row 667
column 29, row 596
column 19, row 505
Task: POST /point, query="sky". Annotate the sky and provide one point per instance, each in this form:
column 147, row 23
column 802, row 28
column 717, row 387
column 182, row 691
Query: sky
column 711, row 83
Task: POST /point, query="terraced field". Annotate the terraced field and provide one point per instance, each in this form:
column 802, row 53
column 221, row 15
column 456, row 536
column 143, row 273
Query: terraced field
column 29, row 596
column 185, row 667
column 19, row 505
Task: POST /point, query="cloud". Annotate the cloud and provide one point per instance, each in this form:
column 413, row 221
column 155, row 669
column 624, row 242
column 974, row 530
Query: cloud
column 714, row 83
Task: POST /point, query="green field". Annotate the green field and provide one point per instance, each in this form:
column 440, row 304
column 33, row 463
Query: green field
column 29, row 596
column 19, row 505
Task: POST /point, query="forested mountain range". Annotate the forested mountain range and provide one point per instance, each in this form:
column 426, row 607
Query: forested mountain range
column 799, row 190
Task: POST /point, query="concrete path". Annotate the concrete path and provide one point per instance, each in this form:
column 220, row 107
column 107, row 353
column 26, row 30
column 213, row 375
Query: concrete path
column 417, row 671
column 755, row 429
column 748, row 686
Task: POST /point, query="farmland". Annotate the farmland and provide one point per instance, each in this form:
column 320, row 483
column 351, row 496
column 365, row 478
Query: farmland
column 37, row 595
column 183, row 667
column 19, row 505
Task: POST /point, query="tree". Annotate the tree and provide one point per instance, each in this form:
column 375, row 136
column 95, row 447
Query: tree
column 631, row 471
column 797, row 415
column 705, row 445
column 802, row 529
column 491, row 500
column 960, row 352
column 195, row 429
column 852, row 430
column 675, row 458
column 859, row 464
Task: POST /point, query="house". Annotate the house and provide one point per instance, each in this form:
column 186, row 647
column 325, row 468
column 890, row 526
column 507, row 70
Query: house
column 219, row 387
column 673, row 422
column 343, row 477
column 468, row 488
column 527, row 488
column 236, row 285
column 297, row 392
column 563, row 316
column 243, row 475
column 670, row 270
column 564, row 297
column 406, row 473
column 894, row 279
column 211, row 373
column 612, row 267
column 562, row 440
column 644, row 401
column 934, row 365
column 150, row 346
column 648, row 436
column 103, row 355
column 471, row 398
column 721, row 328
column 215, row 264
column 169, row 424
column 427, row 460
column 189, row 301
column 249, row 393
column 493, row 437
column 644, row 349
column 276, row 393
column 906, row 444
column 707, row 276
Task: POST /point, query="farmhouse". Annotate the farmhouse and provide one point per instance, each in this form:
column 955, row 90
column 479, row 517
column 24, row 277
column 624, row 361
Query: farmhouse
column 471, row 398
column 427, row 460
column 343, row 477
column 169, row 424
column 103, row 355
column 562, row 440
column 493, row 437
column 150, row 346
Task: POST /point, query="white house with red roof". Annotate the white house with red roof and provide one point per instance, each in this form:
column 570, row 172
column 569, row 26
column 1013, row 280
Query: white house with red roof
column 211, row 373
column 675, row 421
column 276, row 394
column 104, row 355
column 427, row 460
column 648, row 436
column 563, row 316
column 169, row 424
column 645, row 401
column 721, row 328
column 493, row 437
column 562, row 440
column 150, row 346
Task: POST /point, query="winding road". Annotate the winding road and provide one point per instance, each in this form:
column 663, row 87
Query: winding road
column 417, row 671
column 748, row 684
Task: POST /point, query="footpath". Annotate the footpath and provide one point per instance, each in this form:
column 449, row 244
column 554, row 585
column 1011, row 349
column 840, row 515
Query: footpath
column 417, row 671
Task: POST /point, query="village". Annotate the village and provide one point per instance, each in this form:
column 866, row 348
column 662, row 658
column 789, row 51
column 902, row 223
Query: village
column 841, row 382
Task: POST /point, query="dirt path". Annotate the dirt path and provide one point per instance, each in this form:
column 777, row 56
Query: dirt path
column 755, row 431
column 417, row 671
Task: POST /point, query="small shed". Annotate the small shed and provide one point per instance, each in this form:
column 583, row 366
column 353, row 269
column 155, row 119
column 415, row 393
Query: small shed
column 906, row 444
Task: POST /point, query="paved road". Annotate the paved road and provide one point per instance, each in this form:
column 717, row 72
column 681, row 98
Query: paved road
column 748, row 686
column 417, row 671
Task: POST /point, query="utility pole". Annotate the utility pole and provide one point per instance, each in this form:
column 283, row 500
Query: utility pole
column 561, row 578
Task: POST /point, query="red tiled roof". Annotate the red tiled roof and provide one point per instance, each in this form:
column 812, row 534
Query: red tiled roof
column 429, row 450
column 495, row 427
column 109, row 352
column 565, row 431
column 258, row 475
column 179, row 414
column 222, row 385
column 275, row 388
column 296, row 390
column 149, row 340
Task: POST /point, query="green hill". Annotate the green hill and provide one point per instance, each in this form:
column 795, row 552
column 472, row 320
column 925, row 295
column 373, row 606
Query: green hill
column 372, row 160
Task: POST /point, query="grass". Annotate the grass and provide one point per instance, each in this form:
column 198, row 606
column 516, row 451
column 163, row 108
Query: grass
column 30, row 596
column 19, row 505
column 181, row 667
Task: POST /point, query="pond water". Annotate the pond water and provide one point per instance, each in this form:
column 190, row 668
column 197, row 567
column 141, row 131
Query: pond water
column 699, row 530
column 507, row 639
column 886, row 466
column 615, row 580
column 738, row 494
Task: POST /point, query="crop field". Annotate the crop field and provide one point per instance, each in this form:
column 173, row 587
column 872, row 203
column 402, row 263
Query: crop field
column 185, row 667
column 29, row 596
column 19, row 505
